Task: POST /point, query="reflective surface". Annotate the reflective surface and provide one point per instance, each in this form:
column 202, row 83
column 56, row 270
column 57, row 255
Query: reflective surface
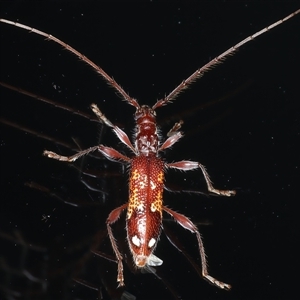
column 240, row 121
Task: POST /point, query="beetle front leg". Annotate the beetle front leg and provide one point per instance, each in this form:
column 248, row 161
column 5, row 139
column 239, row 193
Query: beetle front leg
column 186, row 165
column 118, row 131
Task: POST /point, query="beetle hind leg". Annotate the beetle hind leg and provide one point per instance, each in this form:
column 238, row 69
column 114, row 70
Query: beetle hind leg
column 189, row 225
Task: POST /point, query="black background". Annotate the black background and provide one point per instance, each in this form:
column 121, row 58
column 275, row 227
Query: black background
column 241, row 121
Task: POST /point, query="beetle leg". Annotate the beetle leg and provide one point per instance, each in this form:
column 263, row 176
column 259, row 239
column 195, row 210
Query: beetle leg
column 188, row 224
column 108, row 152
column 112, row 218
column 186, row 165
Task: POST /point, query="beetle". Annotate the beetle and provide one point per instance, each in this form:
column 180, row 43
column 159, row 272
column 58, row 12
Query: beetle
column 146, row 179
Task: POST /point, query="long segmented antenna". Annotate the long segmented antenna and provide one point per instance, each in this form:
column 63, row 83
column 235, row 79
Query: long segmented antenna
column 182, row 86
column 217, row 60
column 99, row 70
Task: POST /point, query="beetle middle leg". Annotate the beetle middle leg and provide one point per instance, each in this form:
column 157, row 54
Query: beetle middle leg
column 186, row 165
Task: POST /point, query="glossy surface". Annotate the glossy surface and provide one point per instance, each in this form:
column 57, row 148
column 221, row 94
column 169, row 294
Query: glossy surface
column 144, row 212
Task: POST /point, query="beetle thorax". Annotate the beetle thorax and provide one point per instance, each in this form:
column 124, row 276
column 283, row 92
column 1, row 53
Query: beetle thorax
column 146, row 141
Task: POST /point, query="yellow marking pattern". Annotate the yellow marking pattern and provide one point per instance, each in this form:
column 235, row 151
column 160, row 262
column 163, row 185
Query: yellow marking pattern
column 137, row 183
column 134, row 197
column 156, row 205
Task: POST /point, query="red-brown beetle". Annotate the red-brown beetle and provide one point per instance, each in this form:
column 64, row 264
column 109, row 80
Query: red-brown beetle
column 146, row 182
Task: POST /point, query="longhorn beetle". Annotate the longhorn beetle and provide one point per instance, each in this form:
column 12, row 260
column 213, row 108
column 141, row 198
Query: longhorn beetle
column 146, row 177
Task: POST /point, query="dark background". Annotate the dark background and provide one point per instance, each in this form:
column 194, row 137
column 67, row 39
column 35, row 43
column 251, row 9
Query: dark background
column 241, row 121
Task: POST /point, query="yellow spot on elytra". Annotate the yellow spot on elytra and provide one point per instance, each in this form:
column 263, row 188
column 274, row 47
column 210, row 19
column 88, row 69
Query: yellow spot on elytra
column 135, row 174
column 160, row 177
column 156, row 205
column 139, row 181
column 133, row 202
